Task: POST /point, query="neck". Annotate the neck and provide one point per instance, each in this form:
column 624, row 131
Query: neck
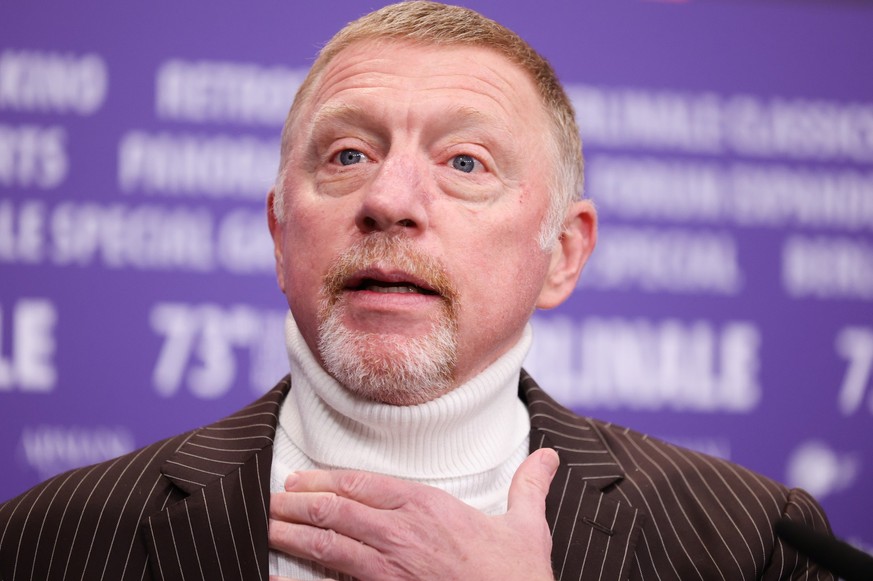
column 337, row 429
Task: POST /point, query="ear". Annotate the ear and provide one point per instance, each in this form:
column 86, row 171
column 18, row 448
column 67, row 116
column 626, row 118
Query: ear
column 277, row 231
column 570, row 254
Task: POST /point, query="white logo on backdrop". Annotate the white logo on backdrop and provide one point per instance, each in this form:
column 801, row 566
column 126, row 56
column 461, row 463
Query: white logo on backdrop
column 821, row 470
column 669, row 260
column 28, row 364
column 52, row 82
column 648, row 365
column 710, row 123
column 204, row 346
column 191, row 165
column 140, row 237
column 51, row 449
column 33, row 157
column 225, row 92
column 855, row 345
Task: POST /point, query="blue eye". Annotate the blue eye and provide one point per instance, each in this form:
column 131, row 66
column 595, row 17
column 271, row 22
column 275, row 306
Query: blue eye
column 464, row 163
column 350, row 157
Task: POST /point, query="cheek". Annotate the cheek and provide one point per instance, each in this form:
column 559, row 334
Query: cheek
column 506, row 271
column 303, row 258
column 303, row 285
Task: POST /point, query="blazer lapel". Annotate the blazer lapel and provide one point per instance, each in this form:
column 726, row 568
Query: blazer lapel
column 214, row 525
column 593, row 536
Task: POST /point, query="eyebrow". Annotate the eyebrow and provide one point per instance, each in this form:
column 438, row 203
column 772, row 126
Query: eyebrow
column 335, row 117
column 463, row 116
column 343, row 113
column 494, row 129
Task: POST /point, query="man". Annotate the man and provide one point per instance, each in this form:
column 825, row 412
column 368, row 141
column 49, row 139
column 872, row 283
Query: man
column 427, row 202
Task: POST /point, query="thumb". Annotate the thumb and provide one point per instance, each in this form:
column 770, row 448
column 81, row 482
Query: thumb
column 530, row 483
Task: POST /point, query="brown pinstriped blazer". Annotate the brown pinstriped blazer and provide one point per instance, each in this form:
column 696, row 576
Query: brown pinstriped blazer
column 622, row 506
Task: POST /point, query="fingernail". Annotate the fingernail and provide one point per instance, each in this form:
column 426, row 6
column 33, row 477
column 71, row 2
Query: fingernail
column 291, row 481
column 551, row 460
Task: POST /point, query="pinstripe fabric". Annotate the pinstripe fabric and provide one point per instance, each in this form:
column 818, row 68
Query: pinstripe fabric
column 625, row 506
column 190, row 507
column 194, row 507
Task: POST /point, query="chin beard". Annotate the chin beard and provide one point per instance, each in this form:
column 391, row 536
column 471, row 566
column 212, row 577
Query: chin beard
column 390, row 368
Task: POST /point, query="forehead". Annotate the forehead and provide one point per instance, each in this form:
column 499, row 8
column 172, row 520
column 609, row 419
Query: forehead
column 374, row 74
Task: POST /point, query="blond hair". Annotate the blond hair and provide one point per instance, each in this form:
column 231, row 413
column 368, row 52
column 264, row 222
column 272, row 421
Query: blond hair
column 433, row 23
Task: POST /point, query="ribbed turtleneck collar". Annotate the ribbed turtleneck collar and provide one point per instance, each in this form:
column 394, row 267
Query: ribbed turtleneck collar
column 473, row 428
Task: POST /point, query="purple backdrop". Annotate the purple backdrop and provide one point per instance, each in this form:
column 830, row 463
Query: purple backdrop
column 729, row 148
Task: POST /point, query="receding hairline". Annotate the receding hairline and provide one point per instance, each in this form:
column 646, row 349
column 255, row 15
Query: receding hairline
column 428, row 23
column 314, row 79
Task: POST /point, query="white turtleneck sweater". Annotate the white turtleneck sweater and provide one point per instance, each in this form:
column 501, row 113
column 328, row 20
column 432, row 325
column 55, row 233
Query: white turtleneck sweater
column 468, row 442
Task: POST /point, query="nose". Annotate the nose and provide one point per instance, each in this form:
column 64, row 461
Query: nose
column 396, row 200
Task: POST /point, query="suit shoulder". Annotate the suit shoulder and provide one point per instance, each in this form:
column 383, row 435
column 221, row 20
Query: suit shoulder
column 85, row 523
column 81, row 504
column 663, row 477
column 707, row 505
column 646, row 459
column 715, row 489
column 116, row 471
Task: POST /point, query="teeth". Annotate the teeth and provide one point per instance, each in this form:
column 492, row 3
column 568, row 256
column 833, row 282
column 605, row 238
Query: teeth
column 391, row 289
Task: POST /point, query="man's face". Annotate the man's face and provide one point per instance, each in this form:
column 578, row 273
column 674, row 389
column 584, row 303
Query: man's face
column 414, row 192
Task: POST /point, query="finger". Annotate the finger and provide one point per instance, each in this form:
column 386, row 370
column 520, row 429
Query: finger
column 327, row 510
column 375, row 490
column 326, row 547
column 530, row 484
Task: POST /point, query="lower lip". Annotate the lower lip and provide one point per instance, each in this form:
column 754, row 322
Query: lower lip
column 393, row 313
column 389, row 301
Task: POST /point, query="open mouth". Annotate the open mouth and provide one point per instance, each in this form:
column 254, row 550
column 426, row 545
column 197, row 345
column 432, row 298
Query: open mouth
column 389, row 283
